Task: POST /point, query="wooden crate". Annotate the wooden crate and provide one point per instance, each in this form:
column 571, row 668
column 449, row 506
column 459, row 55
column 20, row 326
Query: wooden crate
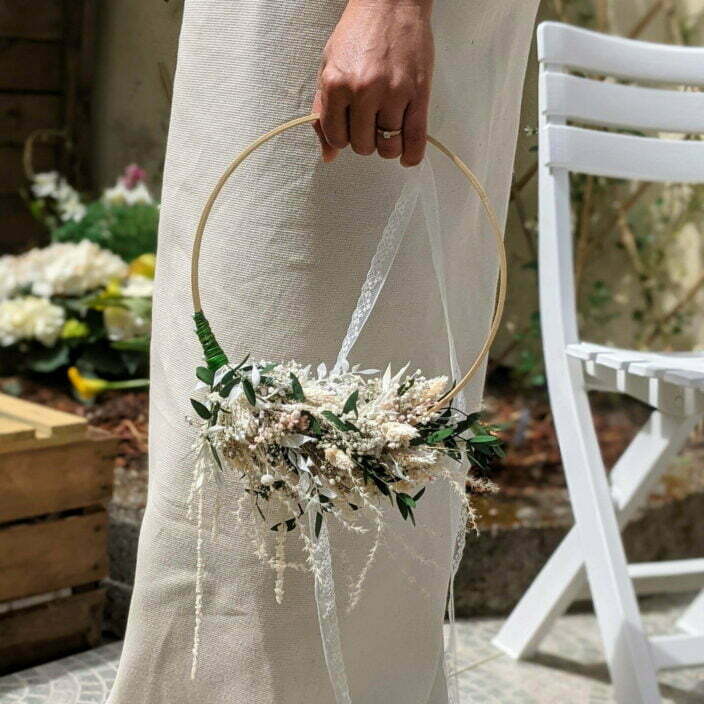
column 55, row 481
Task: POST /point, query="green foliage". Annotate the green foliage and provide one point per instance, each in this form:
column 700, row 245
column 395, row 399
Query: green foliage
column 126, row 230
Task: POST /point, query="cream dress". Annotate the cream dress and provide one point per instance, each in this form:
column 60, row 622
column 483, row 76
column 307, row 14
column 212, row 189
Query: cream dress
column 284, row 256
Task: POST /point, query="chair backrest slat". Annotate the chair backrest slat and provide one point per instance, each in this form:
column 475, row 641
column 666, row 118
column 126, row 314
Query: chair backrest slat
column 582, row 124
column 623, row 156
column 592, row 52
column 615, row 105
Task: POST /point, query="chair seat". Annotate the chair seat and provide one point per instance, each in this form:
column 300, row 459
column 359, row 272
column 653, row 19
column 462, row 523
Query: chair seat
column 679, row 368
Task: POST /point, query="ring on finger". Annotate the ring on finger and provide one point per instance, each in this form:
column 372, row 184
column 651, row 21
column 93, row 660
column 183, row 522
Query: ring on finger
column 387, row 134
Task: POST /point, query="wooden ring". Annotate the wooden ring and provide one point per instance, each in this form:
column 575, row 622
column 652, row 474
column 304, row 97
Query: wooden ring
column 466, row 171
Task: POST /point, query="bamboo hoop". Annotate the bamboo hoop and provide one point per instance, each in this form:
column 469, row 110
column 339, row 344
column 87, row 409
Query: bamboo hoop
column 41, row 135
column 201, row 322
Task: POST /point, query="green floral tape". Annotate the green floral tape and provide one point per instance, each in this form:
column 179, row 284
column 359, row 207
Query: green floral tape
column 214, row 356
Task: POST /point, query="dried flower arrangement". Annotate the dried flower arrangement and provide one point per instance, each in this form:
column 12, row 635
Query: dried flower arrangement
column 335, row 444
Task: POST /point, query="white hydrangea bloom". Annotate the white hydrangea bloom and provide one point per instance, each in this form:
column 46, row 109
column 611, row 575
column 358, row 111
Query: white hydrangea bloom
column 66, row 268
column 8, row 276
column 30, row 318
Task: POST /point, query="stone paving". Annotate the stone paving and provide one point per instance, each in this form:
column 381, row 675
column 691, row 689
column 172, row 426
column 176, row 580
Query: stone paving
column 568, row 670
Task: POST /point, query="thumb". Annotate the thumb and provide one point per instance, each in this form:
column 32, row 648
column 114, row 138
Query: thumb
column 328, row 152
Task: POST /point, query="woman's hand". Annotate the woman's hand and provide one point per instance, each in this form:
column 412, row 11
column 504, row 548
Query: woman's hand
column 376, row 74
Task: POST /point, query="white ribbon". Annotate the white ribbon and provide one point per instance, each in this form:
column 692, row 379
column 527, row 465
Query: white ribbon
column 421, row 181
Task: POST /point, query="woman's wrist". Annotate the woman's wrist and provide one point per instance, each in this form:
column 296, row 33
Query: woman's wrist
column 421, row 6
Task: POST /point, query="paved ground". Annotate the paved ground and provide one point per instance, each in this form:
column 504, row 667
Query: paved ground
column 568, row 670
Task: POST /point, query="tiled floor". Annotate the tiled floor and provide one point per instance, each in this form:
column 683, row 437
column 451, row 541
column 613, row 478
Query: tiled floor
column 568, row 670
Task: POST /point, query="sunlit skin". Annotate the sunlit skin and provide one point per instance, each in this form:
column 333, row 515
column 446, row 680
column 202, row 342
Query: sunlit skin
column 377, row 71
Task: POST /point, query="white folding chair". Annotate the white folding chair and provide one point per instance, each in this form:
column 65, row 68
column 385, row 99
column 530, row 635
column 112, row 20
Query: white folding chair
column 673, row 384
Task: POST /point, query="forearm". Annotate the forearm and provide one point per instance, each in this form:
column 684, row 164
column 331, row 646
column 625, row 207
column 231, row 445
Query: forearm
column 422, row 5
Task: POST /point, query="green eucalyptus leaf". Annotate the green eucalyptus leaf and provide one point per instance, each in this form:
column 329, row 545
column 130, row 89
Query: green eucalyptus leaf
column 484, row 440
column 318, row 524
column 249, row 391
column 205, row 375
column 201, row 409
column 351, row 403
column 296, row 388
column 335, row 420
column 439, row 435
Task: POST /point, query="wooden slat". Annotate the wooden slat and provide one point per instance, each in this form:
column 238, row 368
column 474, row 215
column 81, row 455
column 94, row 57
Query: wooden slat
column 12, row 176
column 592, row 52
column 13, row 431
column 49, row 631
column 20, row 231
column 45, row 556
column 617, row 105
column 30, row 66
column 20, row 115
column 57, row 478
column 623, row 156
column 40, row 20
column 50, row 424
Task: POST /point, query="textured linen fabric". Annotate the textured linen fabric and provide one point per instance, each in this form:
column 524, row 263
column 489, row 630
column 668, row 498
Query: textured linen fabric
column 285, row 253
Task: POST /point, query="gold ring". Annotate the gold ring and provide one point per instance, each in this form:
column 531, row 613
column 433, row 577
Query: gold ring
column 388, row 134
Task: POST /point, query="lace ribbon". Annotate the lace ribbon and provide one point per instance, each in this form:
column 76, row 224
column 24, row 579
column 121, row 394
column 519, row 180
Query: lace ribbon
column 421, row 181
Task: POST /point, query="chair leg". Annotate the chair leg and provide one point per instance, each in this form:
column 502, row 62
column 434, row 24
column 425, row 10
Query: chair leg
column 692, row 620
column 626, row 646
column 563, row 576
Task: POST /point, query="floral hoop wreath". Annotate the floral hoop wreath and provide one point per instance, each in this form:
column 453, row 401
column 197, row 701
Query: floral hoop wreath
column 327, row 444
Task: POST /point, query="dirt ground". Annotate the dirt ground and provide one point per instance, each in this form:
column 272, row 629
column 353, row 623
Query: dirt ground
column 529, row 476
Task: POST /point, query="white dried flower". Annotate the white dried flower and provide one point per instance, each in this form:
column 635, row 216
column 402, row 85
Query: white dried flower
column 337, row 458
column 401, row 433
column 30, row 318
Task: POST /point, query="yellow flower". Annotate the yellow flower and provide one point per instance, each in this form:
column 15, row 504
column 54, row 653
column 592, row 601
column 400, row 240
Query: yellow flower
column 86, row 387
column 143, row 265
column 112, row 290
column 74, row 328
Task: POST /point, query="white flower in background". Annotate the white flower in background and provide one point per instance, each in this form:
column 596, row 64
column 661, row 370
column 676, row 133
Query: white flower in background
column 46, row 184
column 71, row 209
column 30, row 318
column 8, row 276
column 138, row 287
column 71, row 269
column 61, row 269
column 122, row 194
column 122, row 324
column 68, row 201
